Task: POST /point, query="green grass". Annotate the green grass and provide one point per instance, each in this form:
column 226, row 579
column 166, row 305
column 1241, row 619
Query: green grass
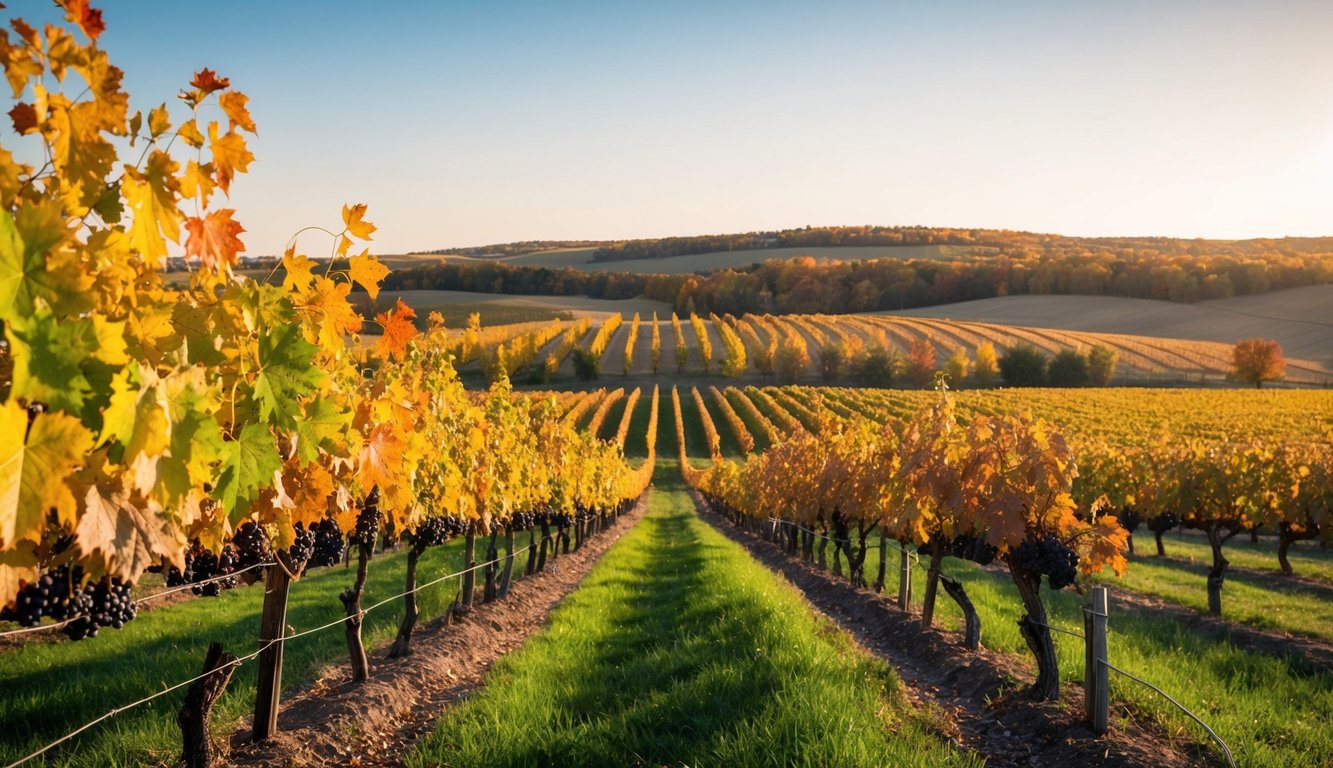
column 1273, row 711
column 1246, row 598
column 1307, row 558
column 50, row 688
column 679, row 649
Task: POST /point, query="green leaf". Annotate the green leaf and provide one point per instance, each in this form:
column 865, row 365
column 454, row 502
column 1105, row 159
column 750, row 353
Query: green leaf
column 13, row 267
column 287, row 374
column 47, row 359
column 248, row 465
column 322, row 426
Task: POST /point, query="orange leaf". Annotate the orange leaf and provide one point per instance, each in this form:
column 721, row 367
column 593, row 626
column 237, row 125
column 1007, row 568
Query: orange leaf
column 214, row 238
column 382, row 454
column 355, row 226
column 367, row 271
column 233, row 103
column 88, row 18
column 398, row 330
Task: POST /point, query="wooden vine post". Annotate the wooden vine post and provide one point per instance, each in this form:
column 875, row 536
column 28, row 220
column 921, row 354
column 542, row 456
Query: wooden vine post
column 1096, row 682
column 272, row 628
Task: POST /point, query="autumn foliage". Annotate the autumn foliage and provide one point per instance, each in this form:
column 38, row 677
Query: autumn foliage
column 1255, row 361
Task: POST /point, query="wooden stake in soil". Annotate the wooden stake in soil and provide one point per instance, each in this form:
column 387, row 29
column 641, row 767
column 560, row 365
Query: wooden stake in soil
column 272, row 626
column 1096, row 682
column 193, row 717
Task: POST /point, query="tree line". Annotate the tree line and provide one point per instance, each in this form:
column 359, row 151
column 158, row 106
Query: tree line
column 803, row 285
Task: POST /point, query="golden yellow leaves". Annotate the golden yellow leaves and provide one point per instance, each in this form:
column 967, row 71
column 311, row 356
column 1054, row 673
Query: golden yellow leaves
column 35, row 462
column 152, row 198
column 367, row 272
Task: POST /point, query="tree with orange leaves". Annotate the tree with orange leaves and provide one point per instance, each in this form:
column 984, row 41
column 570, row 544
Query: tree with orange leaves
column 1255, row 361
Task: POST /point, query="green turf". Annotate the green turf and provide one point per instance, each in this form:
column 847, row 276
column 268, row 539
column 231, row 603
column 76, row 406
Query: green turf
column 50, row 688
column 679, row 649
column 1307, row 558
column 1273, row 711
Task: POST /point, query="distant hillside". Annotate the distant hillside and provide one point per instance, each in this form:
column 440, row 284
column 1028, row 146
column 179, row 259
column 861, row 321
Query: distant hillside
column 1299, row 319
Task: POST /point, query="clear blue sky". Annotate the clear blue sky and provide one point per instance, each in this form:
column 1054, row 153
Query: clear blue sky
column 470, row 123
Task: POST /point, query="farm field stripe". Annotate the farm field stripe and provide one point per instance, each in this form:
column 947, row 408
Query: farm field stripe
column 679, row 649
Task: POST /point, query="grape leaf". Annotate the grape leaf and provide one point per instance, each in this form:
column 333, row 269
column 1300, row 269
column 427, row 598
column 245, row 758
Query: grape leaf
column 233, row 103
column 33, row 472
column 331, row 314
column 287, row 373
column 398, row 329
column 321, row 427
column 151, row 195
column 123, row 539
column 230, row 156
column 248, row 464
column 381, row 456
column 213, row 239
column 367, row 271
column 356, row 227
column 298, row 271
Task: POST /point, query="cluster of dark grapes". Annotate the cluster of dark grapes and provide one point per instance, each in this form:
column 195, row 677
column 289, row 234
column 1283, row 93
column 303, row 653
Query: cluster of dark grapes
column 522, row 521
column 48, row 596
column 251, row 545
column 329, row 544
column 303, row 544
column 107, row 603
column 1049, row 557
column 201, row 565
column 58, row 595
column 368, row 521
column 972, row 548
column 560, row 519
column 437, row 530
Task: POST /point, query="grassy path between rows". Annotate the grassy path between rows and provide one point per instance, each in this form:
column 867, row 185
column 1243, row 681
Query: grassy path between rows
column 680, row 649
column 48, row 689
column 1273, row 711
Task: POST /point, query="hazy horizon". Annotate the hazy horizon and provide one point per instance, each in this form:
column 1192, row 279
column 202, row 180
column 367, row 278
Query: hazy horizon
column 504, row 122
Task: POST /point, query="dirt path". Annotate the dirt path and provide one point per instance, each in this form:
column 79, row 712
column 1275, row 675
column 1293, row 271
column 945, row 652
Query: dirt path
column 979, row 692
column 332, row 722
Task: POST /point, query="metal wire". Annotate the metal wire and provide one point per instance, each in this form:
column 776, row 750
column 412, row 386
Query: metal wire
column 1225, row 750
column 248, row 657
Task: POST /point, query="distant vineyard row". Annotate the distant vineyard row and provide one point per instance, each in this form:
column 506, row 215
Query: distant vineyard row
column 854, row 349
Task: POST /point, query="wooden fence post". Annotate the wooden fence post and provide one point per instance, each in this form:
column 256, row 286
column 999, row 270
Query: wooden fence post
column 272, row 626
column 1096, row 682
column 904, row 579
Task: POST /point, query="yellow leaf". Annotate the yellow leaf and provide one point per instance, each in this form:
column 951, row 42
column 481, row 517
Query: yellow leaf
column 151, row 195
column 299, row 271
column 233, row 103
column 34, row 474
column 197, row 182
column 230, row 155
column 189, row 132
column 367, row 271
column 355, row 226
